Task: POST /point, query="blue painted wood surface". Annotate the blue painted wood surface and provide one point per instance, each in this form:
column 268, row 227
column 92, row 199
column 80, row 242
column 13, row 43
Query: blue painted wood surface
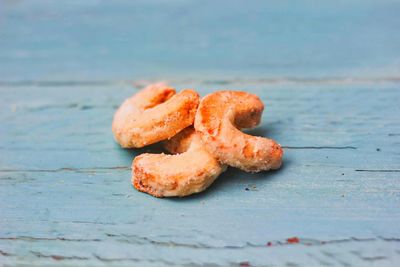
column 328, row 74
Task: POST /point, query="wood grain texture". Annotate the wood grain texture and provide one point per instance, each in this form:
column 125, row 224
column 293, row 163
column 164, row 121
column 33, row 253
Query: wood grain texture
column 99, row 40
column 66, row 194
column 328, row 74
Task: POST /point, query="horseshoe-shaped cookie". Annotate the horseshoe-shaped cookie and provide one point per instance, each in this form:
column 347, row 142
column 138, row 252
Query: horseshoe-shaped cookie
column 154, row 114
column 189, row 172
column 218, row 118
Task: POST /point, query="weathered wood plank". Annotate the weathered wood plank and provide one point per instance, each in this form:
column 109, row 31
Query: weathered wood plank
column 97, row 40
column 66, row 195
column 327, row 72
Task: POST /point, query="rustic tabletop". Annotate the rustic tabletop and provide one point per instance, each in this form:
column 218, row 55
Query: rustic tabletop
column 328, row 73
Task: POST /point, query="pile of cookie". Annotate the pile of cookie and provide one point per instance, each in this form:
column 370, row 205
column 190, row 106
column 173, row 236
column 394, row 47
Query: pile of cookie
column 202, row 136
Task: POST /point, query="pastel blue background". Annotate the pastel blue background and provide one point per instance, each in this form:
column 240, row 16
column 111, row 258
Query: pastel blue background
column 328, row 73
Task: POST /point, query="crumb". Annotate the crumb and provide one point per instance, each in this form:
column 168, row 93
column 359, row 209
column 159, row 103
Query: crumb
column 293, row 240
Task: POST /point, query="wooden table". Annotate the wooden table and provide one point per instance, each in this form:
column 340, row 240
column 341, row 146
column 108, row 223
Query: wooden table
column 328, row 74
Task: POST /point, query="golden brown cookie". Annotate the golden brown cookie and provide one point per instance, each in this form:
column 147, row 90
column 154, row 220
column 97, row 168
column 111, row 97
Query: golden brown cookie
column 218, row 121
column 189, row 172
column 154, row 114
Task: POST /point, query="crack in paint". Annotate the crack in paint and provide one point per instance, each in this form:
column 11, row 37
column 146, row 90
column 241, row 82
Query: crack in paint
column 5, row 254
column 58, row 257
column 370, row 170
column 31, row 238
column 133, row 239
column 319, row 147
column 67, row 169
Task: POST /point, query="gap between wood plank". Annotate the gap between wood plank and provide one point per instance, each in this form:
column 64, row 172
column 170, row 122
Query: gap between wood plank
column 279, row 80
